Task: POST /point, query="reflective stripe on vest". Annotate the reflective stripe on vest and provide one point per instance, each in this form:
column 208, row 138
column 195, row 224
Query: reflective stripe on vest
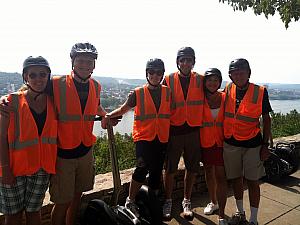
column 63, row 116
column 175, row 104
column 254, row 101
column 17, row 144
column 211, row 124
column 144, row 116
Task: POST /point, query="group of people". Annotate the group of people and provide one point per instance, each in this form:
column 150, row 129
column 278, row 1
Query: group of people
column 47, row 141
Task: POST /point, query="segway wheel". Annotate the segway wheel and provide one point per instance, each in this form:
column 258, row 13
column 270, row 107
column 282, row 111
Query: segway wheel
column 149, row 205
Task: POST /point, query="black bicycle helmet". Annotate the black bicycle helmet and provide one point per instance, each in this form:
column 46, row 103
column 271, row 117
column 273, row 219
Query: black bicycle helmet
column 239, row 64
column 156, row 64
column 83, row 48
column 35, row 61
column 186, row 52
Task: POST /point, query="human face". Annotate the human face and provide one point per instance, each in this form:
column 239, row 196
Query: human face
column 37, row 77
column 185, row 64
column 212, row 83
column 155, row 76
column 240, row 77
column 84, row 65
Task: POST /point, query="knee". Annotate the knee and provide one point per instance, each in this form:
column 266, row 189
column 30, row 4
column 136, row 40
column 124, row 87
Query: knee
column 139, row 174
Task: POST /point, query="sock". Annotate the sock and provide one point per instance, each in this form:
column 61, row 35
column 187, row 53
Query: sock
column 239, row 205
column 253, row 216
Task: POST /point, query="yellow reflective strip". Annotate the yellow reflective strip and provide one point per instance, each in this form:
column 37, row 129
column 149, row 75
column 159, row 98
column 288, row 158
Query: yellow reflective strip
column 229, row 114
column 198, row 80
column 167, row 94
column 255, row 94
column 207, row 124
column 176, row 105
column 49, row 140
column 142, row 98
column 246, row 118
column 62, row 94
column 96, row 87
column 15, row 104
column 16, row 145
column 219, row 124
column 164, row 116
column 66, row 117
column 198, row 102
column 88, row 117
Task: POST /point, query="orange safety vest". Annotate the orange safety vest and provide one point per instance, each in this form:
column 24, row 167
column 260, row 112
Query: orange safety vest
column 191, row 109
column 148, row 123
column 243, row 124
column 74, row 127
column 28, row 151
column 211, row 132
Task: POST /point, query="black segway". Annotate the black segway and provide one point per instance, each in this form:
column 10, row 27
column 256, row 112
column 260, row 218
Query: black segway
column 98, row 212
column 283, row 161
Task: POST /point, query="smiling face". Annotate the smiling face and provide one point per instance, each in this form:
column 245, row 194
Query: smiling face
column 185, row 64
column 154, row 76
column 37, row 77
column 212, row 83
column 239, row 77
column 84, row 65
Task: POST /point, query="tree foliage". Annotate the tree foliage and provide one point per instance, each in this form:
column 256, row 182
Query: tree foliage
column 287, row 9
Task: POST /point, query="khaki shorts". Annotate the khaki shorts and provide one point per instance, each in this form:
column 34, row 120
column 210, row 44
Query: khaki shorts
column 187, row 145
column 240, row 161
column 72, row 176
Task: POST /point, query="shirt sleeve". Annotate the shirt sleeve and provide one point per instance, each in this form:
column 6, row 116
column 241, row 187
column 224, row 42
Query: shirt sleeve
column 266, row 106
column 131, row 100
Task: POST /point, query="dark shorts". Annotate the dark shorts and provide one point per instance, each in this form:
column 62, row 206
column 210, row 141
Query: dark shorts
column 27, row 193
column 186, row 145
column 150, row 157
column 212, row 156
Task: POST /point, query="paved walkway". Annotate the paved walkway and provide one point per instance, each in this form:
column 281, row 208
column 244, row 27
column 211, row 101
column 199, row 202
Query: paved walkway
column 280, row 204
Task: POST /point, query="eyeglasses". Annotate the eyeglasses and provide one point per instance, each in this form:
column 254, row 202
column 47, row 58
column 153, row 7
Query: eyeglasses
column 188, row 60
column 35, row 75
column 157, row 72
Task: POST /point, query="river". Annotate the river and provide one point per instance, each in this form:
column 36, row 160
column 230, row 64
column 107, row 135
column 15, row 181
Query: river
column 125, row 126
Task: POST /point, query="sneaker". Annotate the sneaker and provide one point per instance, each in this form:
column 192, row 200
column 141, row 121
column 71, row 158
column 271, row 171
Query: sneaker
column 223, row 222
column 187, row 209
column 132, row 207
column 238, row 219
column 167, row 208
column 210, row 208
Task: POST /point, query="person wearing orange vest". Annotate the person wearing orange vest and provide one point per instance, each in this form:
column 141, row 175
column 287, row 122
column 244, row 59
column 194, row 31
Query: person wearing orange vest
column 28, row 145
column 151, row 104
column 186, row 118
column 77, row 99
column 212, row 137
column 245, row 148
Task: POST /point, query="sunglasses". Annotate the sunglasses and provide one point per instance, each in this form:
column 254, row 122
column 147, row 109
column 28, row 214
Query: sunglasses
column 157, row 72
column 188, row 60
column 35, row 75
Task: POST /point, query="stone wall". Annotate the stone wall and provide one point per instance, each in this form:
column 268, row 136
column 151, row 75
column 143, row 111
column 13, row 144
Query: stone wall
column 104, row 186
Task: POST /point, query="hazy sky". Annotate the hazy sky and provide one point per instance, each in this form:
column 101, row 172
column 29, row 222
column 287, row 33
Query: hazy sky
column 129, row 32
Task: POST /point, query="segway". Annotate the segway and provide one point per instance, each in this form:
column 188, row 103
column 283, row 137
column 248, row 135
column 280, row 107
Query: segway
column 283, row 161
column 100, row 213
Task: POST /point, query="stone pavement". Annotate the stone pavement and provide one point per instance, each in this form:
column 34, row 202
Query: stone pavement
column 279, row 204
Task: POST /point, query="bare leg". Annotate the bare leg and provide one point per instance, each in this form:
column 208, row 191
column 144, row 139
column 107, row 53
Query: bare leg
column 211, row 182
column 134, row 188
column 169, row 181
column 58, row 214
column 221, row 189
column 189, row 180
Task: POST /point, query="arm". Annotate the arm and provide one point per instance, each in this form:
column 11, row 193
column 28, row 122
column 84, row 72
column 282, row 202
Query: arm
column 7, row 175
column 119, row 111
column 264, row 153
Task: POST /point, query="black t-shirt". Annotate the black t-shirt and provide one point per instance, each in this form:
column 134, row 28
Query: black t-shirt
column 40, row 119
column 184, row 128
column 257, row 140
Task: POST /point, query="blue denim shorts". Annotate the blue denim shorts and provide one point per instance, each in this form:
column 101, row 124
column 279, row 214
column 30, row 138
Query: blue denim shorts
column 27, row 193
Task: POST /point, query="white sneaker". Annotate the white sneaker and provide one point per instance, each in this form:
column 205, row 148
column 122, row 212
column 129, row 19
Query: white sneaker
column 210, row 208
column 132, row 207
column 187, row 209
column 167, row 208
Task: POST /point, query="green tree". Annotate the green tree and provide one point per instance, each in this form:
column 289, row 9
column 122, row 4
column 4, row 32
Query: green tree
column 287, row 10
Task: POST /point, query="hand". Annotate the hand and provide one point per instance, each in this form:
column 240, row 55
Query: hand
column 104, row 122
column 5, row 109
column 264, row 153
column 7, row 176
